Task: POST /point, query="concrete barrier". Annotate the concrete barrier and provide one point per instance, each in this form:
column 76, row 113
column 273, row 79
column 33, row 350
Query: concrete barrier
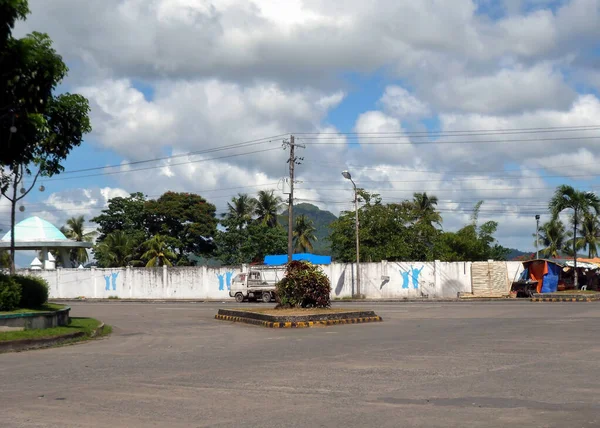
column 37, row 320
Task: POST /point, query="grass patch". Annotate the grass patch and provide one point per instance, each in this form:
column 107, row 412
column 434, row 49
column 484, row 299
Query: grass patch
column 48, row 307
column 300, row 311
column 85, row 325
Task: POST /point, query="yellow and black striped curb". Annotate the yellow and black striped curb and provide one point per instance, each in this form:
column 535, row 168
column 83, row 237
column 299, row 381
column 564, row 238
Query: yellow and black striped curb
column 563, row 299
column 298, row 324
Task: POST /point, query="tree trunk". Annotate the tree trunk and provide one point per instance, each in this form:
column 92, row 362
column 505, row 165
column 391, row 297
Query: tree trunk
column 576, row 277
column 13, row 208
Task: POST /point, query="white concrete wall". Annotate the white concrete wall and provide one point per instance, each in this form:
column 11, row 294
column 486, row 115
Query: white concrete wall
column 385, row 280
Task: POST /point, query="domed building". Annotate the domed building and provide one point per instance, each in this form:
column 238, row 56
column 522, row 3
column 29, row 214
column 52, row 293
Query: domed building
column 35, row 233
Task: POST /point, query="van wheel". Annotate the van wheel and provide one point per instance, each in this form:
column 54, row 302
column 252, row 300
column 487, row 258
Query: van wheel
column 266, row 297
column 239, row 297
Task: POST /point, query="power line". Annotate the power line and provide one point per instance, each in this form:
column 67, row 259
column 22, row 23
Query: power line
column 331, row 140
column 161, row 166
column 197, row 152
column 468, row 132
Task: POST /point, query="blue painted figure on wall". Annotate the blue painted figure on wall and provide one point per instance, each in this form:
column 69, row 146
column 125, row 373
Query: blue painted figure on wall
column 225, row 280
column 404, row 279
column 415, row 276
column 111, row 280
column 413, row 273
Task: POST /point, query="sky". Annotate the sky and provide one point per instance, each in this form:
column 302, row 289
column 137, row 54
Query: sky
column 494, row 100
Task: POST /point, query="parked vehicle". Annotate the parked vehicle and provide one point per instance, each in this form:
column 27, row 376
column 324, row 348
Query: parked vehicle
column 256, row 283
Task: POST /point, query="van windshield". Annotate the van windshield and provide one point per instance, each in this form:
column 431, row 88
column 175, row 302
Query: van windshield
column 240, row 277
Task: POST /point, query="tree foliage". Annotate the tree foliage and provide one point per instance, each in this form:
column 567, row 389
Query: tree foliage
column 581, row 203
column 186, row 222
column 304, row 234
column 553, row 239
column 38, row 129
column 158, row 252
column 74, row 229
column 304, row 285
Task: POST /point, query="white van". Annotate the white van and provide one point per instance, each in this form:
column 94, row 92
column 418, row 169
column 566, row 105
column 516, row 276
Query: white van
column 255, row 283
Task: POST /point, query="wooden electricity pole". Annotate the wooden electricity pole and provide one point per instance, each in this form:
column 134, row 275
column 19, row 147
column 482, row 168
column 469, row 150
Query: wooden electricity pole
column 293, row 161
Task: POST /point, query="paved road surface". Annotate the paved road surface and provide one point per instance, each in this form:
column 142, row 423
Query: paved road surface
column 428, row 365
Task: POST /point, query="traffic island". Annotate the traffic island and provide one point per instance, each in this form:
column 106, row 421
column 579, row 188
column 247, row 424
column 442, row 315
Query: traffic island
column 576, row 296
column 297, row 318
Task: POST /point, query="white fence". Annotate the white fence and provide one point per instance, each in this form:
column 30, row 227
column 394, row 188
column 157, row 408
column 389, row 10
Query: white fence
column 385, row 280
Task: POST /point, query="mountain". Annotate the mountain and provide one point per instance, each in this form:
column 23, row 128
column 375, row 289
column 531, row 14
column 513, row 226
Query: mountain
column 515, row 254
column 321, row 220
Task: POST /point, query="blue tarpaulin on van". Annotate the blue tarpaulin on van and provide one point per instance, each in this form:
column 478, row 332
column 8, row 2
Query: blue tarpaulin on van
column 282, row 259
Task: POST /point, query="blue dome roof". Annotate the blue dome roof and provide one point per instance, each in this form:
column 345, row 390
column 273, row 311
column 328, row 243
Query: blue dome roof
column 35, row 229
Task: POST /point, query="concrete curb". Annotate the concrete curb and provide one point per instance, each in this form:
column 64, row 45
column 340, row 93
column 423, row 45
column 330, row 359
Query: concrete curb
column 563, row 299
column 298, row 324
column 21, row 345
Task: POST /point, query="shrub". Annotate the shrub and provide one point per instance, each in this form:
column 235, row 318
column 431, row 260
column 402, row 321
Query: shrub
column 34, row 291
column 10, row 293
column 304, row 285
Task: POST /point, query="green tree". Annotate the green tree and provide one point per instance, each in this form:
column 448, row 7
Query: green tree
column 185, row 220
column 424, row 210
column 589, row 234
column 37, row 128
column 553, row 238
column 158, row 252
column 268, row 206
column 304, row 234
column 567, row 198
column 126, row 214
column 250, row 244
column 472, row 242
column 385, row 232
column 117, row 249
column 74, row 229
column 241, row 209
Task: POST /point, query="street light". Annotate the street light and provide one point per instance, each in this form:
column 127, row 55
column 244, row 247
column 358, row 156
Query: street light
column 537, row 236
column 348, row 176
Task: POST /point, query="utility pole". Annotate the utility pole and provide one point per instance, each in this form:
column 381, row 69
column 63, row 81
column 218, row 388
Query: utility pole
column 293, row 161
column 537, row 236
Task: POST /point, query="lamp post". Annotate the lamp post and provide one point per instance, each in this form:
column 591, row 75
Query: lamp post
column 348, row 176
column 537, row 236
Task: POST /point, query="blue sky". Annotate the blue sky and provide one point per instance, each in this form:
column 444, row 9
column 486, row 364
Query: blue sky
column 180, row 76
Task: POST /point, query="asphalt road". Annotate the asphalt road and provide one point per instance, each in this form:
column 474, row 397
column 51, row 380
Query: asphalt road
column 427, row 365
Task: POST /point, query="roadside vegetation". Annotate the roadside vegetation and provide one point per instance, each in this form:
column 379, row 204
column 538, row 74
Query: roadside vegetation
column 85, row 325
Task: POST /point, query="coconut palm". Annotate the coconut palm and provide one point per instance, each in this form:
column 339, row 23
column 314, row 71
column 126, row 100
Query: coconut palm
column 590, row 234
column 75, row 230
column 567, row 198
column 115, row 250
column 304, row 234
column 267, row 207
column 554, row 238
column 424, row 209
column 241, row 209
column 158, row 252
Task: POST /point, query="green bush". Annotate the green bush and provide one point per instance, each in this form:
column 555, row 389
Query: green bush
column 304, row 285
column 10, row 293
column 34, row 291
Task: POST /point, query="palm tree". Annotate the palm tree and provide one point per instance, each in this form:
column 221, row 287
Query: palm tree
column 267, row 207
column 424, row 209
column 74, row 229
column 304, row 234
column 553, row 237
column 115, row 250
column 566, row 197
column 590, row 234
column 158, row 252
column 241, row 209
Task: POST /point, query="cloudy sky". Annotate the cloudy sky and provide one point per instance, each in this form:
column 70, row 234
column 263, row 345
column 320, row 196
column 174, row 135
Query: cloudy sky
column 465, row 99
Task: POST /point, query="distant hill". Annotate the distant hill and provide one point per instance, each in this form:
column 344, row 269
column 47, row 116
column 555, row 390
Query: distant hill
column 517, row 254
column 321, row 220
